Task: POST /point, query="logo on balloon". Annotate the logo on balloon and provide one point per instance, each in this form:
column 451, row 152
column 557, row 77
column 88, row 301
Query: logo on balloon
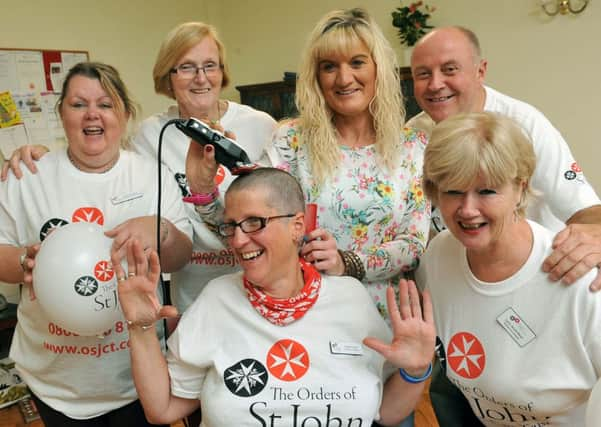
column 88, row 214
column 51, row 225
column 86, row 286
column 72, row 270
column 103, row 271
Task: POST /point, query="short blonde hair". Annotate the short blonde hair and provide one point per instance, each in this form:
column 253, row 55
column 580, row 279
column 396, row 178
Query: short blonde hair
column 341, row 31
column 178, row 41
column 468, row 146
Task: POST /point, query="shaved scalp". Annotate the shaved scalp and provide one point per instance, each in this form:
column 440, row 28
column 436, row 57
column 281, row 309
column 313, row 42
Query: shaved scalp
column 281, row 190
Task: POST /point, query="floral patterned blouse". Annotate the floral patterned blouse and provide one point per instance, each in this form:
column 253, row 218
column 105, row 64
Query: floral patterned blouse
column 383, row 217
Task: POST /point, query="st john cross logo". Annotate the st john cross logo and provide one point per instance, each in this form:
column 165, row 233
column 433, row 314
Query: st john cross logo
column 88, row 214
column 246, row 378
column 103, row 271
column 465, row 355
column 288, row 360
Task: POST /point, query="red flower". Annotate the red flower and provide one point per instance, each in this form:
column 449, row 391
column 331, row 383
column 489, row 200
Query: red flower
column 412, row 22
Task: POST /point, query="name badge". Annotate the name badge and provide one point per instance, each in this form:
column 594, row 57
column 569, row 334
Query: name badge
column 516, row 327
column 117, row 200
column 348, row 348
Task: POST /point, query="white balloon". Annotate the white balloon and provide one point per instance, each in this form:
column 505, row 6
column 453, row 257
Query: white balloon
column 593, row 407
column 74, row 281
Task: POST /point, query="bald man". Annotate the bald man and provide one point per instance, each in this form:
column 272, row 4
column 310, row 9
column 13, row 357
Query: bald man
column 448, row 76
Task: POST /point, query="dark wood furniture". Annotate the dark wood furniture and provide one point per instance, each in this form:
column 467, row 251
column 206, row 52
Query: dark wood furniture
column 411, row 107
column 277, row 98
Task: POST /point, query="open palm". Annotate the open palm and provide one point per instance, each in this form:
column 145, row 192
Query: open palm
column 414, row 334
column 137, row 294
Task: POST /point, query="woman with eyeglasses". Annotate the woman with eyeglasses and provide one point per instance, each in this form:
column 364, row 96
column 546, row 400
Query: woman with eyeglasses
column 279, row 343
column 191, row 69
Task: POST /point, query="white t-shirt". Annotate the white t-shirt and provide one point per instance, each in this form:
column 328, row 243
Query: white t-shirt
column 210, row 259
column 562, row 185
column 82, row 377
column 247, row 371
column 524, row 351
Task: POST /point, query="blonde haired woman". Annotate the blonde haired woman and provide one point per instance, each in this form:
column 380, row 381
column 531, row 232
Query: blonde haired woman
column 353, row 158
column 477, row 170
column 351, row 155
column 341, row 32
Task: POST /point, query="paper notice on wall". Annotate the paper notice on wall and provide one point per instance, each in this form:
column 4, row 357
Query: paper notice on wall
column 38, row 114
column 8, row 72
column 55, row 125
column 9, row 114
column 30, row 71
column 69, row 59
column 33, row 117
column 57, row 75
column 12, row 138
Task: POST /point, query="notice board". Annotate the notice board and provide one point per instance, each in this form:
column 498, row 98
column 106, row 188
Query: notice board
column 30, row 82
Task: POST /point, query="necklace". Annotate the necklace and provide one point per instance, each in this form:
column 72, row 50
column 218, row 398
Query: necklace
column 107, row 168
column 214, row 122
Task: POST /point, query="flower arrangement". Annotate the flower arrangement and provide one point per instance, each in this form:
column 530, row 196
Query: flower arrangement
column 412, row 22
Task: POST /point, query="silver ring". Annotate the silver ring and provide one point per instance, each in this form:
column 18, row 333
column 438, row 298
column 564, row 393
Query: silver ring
column 120, row 279
column 131, row 274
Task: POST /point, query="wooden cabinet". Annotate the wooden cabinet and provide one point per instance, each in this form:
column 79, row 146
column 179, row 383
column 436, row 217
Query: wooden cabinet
column 411, row 107
column 277, row 98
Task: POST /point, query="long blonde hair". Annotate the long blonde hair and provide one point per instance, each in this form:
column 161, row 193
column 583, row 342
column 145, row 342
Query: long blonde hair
column 342, row 30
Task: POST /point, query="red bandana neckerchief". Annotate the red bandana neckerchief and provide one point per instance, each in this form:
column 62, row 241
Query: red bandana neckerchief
column 284, row 311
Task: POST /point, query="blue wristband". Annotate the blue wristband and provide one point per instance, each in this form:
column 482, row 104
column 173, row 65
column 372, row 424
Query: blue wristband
column 413, row 380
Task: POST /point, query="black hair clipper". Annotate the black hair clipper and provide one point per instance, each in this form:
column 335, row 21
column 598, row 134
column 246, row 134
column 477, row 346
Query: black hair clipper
column 227, row 151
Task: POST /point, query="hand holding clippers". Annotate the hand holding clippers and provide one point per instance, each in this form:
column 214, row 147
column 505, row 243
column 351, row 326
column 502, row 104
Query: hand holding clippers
column 227, row 151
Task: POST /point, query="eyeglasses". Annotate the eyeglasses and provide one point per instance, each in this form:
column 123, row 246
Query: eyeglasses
column 189, row 71
column 248, row 225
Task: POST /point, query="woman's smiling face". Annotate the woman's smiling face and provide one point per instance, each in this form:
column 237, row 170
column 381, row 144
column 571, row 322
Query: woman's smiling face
column 268, row 255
